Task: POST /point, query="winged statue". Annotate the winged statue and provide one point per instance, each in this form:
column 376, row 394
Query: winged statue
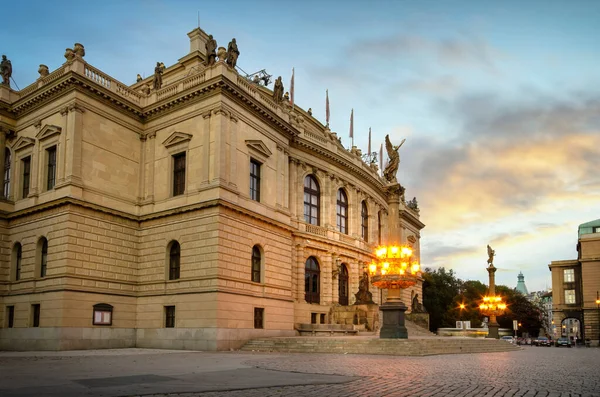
column 491, row 254
column 392, row 168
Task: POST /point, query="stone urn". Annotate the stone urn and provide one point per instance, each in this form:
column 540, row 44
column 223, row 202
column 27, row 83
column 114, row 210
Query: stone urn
column 221, row 54
column 43, row 71
column 69, row 54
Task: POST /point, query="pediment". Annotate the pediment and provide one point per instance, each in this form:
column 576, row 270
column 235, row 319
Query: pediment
column 176, row 138
column 47, row 131
column 23, row 143
column 259, row 147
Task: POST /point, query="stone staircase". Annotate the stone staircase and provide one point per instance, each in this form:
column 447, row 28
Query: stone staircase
column 418, row 346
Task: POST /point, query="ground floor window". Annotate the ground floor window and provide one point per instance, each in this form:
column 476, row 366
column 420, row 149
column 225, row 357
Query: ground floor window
column 10, row 316
column 35, row 315
column 259, row 315
column 169, row 316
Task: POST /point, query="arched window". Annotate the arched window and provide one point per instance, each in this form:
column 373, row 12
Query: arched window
column 379, row 227
column 343, row 285
column 43, row 247
column 311, row 281
column 17, row 256
column 342, row 211
column 6, row 172
column 311, row 200
column 364, row 221
column 256, row 264
column 174, row 260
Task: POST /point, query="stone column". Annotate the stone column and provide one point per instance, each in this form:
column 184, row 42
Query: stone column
column 493, row 325
column 328, row 194
column 335, row 280
column 326, row 280
column 3, row 132
column 300, row 264
column 293, row 188
column 142, row 176
column 204, row 179
column 150, row 154
column 218, row 146
column 70, row 149
column 232, row 174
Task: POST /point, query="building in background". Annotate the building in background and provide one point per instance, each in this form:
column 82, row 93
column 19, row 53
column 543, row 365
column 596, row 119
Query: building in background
column 575, row 287
column 521, row 284
column 194, row 209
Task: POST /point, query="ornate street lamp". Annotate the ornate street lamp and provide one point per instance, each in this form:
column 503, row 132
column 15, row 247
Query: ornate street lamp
column 492, row 304
column 394, row 270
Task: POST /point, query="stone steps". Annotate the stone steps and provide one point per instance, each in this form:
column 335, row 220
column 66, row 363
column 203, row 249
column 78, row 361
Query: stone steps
column 374, row 345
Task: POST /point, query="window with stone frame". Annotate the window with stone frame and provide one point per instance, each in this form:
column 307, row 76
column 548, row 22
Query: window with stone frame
column 255, row 180
column 364, row 221
column 169, row 316
column 7, row 162
column 10, row 316
column 17, row 258
column 174, row 260
column 256, row 264
column 342, row 211
column 179, row 174
column 570, row 297
column 312, row 275
column 259, row 317
column 43, row 247
column 26, row 167
column 35, row 315
column 343, row 283
column 50, row 168
column 311, row 201
column 569, row 275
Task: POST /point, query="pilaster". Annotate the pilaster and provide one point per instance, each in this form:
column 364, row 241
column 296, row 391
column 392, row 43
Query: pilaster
column 204, row 168
column 293, row 188
column 232, row 173
column 300, row 260
column 70, row 147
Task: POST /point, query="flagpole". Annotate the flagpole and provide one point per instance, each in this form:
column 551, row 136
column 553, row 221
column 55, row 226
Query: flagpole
column 369, row 149
column 352, row 127
column 327, row 107
column 292, row 89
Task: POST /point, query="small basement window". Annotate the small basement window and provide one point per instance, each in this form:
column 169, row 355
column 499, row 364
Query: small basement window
column 102, row 314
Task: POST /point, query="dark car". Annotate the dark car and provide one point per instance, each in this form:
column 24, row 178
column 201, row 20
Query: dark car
column 543, row 341
column 562, row 342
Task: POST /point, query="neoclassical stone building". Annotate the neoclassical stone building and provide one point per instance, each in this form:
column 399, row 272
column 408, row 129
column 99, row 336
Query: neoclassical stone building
column 576, row 288
column 196, row 213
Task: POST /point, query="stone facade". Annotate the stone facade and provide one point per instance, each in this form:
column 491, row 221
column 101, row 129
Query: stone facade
column 135, row 208
column 575, row 286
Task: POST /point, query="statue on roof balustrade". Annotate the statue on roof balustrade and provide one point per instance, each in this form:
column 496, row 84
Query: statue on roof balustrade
column 5, row 70
column 158, row 71
column 278, row 90
column 392, row 168
column 232, row 53
column 211, row 50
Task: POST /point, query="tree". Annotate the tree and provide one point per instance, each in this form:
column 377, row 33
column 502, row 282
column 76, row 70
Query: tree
column 521, row 309
column 440, row 287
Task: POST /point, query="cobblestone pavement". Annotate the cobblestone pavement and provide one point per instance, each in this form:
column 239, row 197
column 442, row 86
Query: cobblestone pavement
column 534, row 371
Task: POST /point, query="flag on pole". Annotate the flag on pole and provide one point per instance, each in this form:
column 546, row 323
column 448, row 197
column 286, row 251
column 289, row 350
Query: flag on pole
column 292, row 89
column 327, row 107
column 381, row 157
column 352, row 126
column 369, row 149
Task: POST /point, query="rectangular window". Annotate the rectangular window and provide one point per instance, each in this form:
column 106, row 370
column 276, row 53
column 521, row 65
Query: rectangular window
column 10, row 316
column 169, row 316
column 322, row 318
column 254, row 180
column 313, row 318
column 35, row 315
column 51, row 177
column 178, row 174
column 259, row 314
column 569, row 275
column 26, row 167
column 570, row 297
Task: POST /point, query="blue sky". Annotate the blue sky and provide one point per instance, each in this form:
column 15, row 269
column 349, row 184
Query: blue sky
column 499, row 101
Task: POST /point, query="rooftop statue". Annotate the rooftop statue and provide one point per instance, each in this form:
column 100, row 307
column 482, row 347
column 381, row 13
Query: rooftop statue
column 392, row 168
column 158, row 71
column 138, row 78
column 5, row 70
column 278, row 90
column 232, row 53
column 211, row 50
column 491, row 254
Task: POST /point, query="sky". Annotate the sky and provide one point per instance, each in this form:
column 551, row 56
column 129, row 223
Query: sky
column 499, row 102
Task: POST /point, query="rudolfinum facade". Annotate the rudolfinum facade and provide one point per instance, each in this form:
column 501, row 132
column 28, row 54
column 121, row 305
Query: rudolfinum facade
column 190, row 210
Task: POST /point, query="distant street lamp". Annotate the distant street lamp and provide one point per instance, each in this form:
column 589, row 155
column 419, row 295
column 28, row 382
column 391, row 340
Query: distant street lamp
column 460, row 317
column 394, row 270
column 492, row 305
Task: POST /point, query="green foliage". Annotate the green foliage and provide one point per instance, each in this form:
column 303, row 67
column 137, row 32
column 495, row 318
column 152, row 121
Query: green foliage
column 443, row 294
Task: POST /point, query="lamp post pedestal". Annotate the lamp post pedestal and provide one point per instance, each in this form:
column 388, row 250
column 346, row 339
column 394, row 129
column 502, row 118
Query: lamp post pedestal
column 393, row 317
column 493, row 327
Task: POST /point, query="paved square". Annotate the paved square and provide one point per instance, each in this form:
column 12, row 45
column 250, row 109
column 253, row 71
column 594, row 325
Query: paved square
column 533, row 371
